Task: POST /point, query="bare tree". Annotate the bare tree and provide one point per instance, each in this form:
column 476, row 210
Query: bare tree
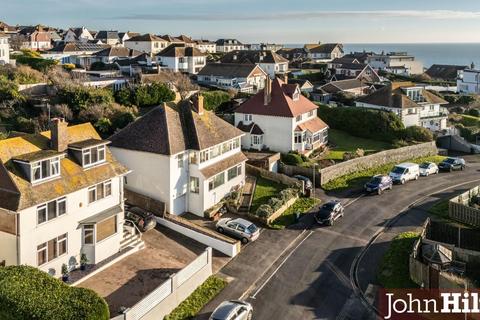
column 62, row 110
column 17, row 42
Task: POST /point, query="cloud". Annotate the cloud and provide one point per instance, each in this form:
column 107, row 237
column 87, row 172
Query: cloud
column 301, row 15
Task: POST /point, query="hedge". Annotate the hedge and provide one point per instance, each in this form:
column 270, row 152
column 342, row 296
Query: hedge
column 28, row 293
column 214, row 99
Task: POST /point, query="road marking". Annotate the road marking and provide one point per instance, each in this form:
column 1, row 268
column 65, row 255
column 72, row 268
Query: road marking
column 343, row 278
column 242, row 297
column 335, row 233
column 281, row 264
column 354, row 200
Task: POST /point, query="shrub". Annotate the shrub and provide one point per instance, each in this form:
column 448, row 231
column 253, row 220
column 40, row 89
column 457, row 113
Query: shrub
column 34, row 60
column 78, row 97
column 292, row 158
column 152, row 95
column 124, row 96
column 26, row 75
column 28, row 293
column 264, row 211
column 275, row 203
column 287, row 194
column 214, row 99
column 9, row 90
column 68, row 66
column 416, row 133
column 474, row 112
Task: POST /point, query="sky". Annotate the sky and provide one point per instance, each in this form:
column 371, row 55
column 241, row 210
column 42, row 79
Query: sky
column 250, row 21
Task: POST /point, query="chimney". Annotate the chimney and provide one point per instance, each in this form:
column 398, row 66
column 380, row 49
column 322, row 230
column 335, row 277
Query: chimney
column 285, row 78
column 267, row 91
column 58, row 134
column 198, row 104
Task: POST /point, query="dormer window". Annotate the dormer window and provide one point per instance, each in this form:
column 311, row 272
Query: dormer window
column 93, row 156
column 89, row 152
column 40, row 165
column 45, row 169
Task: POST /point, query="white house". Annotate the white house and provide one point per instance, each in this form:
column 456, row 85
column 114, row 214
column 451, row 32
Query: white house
column 206, row 46
column 468, row 81
column 414, row 105
column 182, row 155
column 180, row 58
column 396, row 62
column 247, row 78
column 281, row 119
column 227, row 45
column 4, row 49
column 272, row 63
column 111, row 38
column 78, row 34
column 326, row 52
column 147, row 43
column 61, row 195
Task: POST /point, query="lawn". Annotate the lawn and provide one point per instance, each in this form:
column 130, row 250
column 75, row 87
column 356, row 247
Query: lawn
column 440, row 209
column 394, row 268
column 345, row 142
column 198, row 299
column 302, row 205
column 470, row 121
column 264, row 190
column 358, row 178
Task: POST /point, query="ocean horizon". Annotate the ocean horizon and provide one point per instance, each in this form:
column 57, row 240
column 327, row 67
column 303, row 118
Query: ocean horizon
column 427, row 53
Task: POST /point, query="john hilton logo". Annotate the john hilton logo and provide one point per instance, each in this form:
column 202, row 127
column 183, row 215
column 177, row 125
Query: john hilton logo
column 416, row 304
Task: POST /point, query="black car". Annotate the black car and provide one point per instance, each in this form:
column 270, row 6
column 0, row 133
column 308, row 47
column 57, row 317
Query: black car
column 329, row 212
column 451, row 164
column 144, row 220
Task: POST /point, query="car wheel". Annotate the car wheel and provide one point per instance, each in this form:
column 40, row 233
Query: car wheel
column 402, row 181
column 427, row 174
column 416, row 177
column 391, row 187
column 244, row 240
column 379, row 191
column 330, row 223
column 220, row 229
column 249, row 316
column 462, row 167
column 451, row 169
column 436, row 172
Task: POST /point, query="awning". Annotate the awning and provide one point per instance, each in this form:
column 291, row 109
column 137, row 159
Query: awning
column 99, row 217
column 223, row 165
column 313, row 126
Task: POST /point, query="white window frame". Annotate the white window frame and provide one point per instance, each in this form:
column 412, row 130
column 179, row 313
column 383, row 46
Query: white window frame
column 107, row 185
column 53, row 166
column 44, row 207
column 180, row 161
column 195, row 185
column 44, row 247
column 85, row 229
column 101, row 156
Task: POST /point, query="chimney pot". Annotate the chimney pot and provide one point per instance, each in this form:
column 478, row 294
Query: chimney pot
column 198, row 104
column 267, row 91
column 58, row 134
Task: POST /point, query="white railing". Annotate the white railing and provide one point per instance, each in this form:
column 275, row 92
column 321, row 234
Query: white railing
column 134, row 226
column 150, row 301
column 187, row 272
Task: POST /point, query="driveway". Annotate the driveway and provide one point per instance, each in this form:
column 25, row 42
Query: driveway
column 128, row 281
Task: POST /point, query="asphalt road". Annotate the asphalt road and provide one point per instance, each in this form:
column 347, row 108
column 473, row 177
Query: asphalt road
column 312, row 280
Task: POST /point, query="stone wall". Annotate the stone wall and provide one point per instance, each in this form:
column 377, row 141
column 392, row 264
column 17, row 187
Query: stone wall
column 378, row 159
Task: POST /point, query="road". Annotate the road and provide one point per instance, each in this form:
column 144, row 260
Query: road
column 313, row 279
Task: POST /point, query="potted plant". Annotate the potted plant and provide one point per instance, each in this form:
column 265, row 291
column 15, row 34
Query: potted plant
column 65, row 273
column 83, row 261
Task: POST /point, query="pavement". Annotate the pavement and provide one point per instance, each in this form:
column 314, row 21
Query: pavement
column 309, row 272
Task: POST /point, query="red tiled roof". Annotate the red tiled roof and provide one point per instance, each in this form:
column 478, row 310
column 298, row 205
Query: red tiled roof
column 281, row 104
column 313, row 125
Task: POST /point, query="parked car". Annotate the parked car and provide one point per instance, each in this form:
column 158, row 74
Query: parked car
column 329, row 213
column 451, row 164
column 144, row 220
column 239, row 228
column 233, row 310
column 428, row 168
column 308, row 183
column 379, row 183
column 404, row 172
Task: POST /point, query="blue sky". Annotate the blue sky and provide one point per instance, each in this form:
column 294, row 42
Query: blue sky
column 284, row 21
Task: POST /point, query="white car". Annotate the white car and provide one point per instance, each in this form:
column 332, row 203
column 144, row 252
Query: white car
column 405, row 172
column 233, row 310
column 428, row 168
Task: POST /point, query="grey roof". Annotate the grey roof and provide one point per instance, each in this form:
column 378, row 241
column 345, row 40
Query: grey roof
column 105, row 35
column 171, row 129
column 228, row 70
column 326, row 48
column 180, row 50
column 118, row 52
column 445, row 72
column 223, row 42
column 79, row 46
column 337, row 86
column 252, row 57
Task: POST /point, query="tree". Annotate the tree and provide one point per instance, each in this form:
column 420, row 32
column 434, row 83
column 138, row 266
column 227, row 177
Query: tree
column 152, row 95
column 9, row 90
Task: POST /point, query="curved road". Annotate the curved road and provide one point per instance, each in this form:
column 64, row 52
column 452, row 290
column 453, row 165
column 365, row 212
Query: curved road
column 313, row 280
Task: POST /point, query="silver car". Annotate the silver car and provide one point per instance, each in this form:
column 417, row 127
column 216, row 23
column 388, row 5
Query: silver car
column 233, row 310
column 238, row 228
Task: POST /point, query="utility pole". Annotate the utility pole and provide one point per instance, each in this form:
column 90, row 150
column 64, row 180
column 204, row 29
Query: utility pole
column 313, row 184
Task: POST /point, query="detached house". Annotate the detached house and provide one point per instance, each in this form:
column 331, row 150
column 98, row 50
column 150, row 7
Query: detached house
column 247, row 78
column 61, row 195
column 182, row 155
column 271, row 62
column 414, row 105
column 147, row 43
column 4, row 49
column 325, row 52
column 227, row 45
column 206, row 46
column 281, row 119
column 78, row 34
column 180, row 58
column 111, row 38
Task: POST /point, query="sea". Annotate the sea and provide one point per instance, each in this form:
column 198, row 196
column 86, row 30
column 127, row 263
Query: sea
column 428, row 53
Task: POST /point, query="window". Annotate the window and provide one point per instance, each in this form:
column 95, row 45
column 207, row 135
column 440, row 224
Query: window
column 194, row 185
column 93, row 156
column 88, row 234
column 234, row 172
column 298, row 118
column 52, row 249
column 310, row 114
column 180, row 160
column 247, row 117
column 257, row 139
column 99, row 191
column 298, row 137
column 106, row 228
column 51, row 210
column 216, row 181
column 45, row 169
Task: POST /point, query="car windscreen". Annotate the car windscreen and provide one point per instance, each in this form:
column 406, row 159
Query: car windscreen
column 449, row 160
column 324, row 213
column 425, row 165
column 376, row 180
column 398, row 170
column 252, row 228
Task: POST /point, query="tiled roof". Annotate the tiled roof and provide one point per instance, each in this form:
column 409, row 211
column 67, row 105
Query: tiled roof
column 281, row 103
column 393, row 96
column 79, row 46
column 252, row 128
column 180, row 50
column 171, row 129
column 337, row 86
column 229, row 70
column 313, row 125
column 446, row 72
column 326, row 48
column 223, row 165
column 252, row 56
column 148, row 37
column 170, row 38
column 104, row 35
column 118, row 52
column 16, row 193
column 224, row 42
column 185, row 39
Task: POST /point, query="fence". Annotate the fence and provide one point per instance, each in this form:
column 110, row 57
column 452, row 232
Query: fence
column 463, row 238
column 306, row 172
column 172, row 292
column 459, row 209
column 378, row 159
column 277, row 177
column 144, row 202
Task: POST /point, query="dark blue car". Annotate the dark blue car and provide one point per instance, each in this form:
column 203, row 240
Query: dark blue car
column 378, row 184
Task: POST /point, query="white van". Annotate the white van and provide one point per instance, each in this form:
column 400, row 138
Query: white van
column 405, row 172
